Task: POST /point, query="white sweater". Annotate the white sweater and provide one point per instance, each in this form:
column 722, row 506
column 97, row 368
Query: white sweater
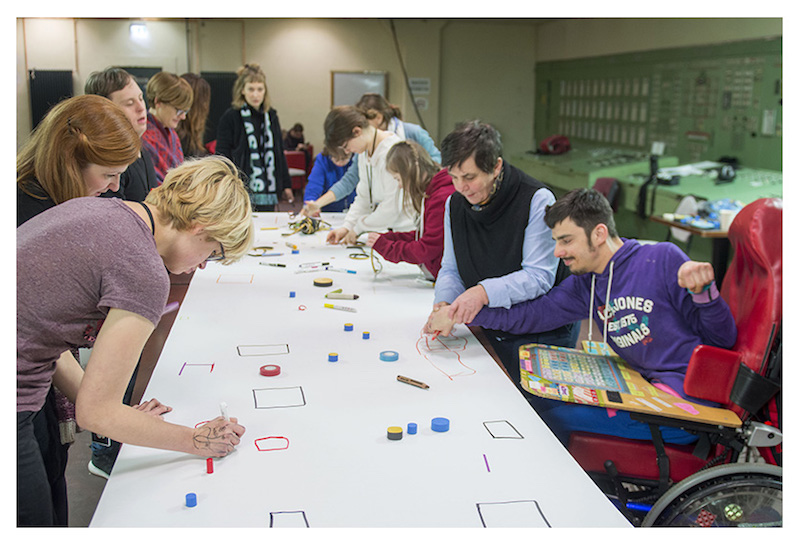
column 385, row 208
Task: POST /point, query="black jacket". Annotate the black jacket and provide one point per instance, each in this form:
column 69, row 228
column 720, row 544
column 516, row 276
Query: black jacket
column 232, row 143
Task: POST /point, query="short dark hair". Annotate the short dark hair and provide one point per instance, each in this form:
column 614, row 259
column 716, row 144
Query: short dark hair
column 105, row 82
column 472, row 137
column 340, row 123
column 586, row 207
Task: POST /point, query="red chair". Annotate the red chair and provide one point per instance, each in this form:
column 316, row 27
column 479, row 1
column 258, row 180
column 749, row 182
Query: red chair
column 738, row 378
column 297, row 169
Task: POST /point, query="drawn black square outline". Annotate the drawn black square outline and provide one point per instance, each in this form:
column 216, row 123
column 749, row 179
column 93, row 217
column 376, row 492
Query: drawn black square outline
column 518, row 437
column 536, row 503
column 273, row 514
column 302, row 395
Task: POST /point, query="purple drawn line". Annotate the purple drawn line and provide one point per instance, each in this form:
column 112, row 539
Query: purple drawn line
column 485, row 460
column 182, row 367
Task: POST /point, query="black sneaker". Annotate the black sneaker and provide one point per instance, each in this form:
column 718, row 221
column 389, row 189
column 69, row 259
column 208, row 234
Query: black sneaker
column 103, row 460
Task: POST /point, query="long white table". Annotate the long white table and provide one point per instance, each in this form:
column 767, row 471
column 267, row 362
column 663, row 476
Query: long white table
column 316, row 451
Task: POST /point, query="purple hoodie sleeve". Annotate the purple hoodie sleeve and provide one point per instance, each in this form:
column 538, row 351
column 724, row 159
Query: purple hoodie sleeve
column 562, row 305
column 711, row 320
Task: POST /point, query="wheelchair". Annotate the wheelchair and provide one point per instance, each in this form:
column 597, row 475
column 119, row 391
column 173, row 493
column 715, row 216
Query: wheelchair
column 707, row 484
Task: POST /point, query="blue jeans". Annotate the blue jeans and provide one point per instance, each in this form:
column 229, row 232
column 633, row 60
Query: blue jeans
column 563, row 418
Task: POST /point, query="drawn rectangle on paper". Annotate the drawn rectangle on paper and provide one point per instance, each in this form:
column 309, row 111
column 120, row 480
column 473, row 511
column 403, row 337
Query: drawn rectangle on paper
column 280, row 397
column 235, row 278
column 296, row 518
column 524, row 513
column 263, row 350
column 502, row 429
column 205, row 368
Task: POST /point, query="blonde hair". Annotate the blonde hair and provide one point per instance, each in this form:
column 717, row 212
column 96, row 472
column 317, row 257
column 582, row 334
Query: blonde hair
column 170, row 89
column 74, row 133
column 208, row 192
column 415, row 168
column 249, row 73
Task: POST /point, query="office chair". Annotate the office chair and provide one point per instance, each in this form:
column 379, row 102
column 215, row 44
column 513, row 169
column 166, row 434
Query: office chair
column 609, row 188
column 744, row 379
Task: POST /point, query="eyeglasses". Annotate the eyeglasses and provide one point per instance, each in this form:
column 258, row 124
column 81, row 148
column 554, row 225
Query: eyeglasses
column 214, row 257
column 179, row 112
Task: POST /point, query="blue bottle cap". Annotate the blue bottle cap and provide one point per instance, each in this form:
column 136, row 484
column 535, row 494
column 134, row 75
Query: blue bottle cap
column 291, row 294
column 333, row 357
column 365, row 335
column 348, row 327
column 295, row 251
column 412, row 428
column 389, row 356
column 191, row 500
column 440, row 424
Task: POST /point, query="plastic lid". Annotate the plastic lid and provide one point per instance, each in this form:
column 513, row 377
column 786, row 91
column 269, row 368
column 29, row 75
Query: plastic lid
column 440, row 424
column 394, row 433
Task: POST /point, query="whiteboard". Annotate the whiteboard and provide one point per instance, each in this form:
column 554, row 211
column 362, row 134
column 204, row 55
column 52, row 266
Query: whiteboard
column 316, row 451
column 347, row 87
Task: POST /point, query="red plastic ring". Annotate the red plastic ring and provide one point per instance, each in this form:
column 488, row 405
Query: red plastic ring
column 270, row 370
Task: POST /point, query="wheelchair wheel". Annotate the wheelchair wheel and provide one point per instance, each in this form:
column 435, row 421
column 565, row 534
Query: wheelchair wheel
column 730, row 495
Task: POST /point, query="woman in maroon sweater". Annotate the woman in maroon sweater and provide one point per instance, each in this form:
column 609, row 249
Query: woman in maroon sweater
column 426, row 187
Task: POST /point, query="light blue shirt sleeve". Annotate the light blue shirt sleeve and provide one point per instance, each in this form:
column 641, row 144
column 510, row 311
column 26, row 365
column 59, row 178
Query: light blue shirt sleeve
column 349, row 181
column 448, row 284
column 539, row 264
column 421, row 137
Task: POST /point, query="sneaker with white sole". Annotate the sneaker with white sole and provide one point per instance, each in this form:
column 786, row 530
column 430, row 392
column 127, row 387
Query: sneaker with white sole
column 97, row 471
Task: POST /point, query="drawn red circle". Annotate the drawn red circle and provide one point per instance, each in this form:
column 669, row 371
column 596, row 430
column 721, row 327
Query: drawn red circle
column 281, row 445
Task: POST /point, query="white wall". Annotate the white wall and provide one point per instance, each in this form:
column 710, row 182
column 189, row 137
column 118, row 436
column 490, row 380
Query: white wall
column 478, row 68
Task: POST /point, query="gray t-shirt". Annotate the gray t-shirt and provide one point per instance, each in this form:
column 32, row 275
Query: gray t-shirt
column 76, row 261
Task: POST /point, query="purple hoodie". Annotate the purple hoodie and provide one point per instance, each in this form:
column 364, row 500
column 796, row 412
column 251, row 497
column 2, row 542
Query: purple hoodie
column 653, row 323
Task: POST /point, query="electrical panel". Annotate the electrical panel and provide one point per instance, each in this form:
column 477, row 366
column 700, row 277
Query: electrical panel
column 703, row 103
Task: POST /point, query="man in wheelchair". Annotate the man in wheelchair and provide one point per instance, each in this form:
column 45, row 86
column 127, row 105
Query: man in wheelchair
column 656, row 308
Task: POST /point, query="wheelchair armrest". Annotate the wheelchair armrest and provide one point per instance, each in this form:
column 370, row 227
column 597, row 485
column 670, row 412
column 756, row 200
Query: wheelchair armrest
column 711, row 373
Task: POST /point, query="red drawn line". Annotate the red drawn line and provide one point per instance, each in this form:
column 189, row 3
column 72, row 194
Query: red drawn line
column 427, row 341
column 272, row 448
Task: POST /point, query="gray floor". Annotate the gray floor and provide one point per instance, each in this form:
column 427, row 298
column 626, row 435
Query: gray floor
column 83, row 488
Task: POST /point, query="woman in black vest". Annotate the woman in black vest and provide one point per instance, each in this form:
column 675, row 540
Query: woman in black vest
column 498, row 251
column 249, row 134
